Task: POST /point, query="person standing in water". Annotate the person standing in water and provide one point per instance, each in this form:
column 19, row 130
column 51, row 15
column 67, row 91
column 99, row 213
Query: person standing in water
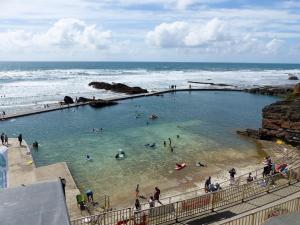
column 137, row 191
column 6, row 139
column 20, row 139
column 170, row 142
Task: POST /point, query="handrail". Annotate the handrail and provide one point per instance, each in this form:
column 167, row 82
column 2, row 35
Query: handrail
column 225, row 184
column 263, row 215
column 193, row 206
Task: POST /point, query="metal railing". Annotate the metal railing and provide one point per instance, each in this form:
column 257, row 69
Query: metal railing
column 260, row 217
column 191, row 207
column 240, row 180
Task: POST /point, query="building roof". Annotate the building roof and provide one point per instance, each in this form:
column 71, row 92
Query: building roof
column 37, row 204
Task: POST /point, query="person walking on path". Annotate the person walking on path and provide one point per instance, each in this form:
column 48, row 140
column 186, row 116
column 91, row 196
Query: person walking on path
column 151, row 202
column 20, row 139
column 2, row 138
column 63, row 185
column 157, row 195
column 232, row 173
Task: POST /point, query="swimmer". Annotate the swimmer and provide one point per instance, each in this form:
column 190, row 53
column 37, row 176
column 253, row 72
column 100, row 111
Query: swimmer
column 147, row 145
column 199, row 164
column 172, row 149
column 178, row 136
column 165, row 143
column 120, row 155
column 88, row 157
column 152, row 146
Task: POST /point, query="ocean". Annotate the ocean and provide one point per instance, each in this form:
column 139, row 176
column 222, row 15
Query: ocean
column 32, row 84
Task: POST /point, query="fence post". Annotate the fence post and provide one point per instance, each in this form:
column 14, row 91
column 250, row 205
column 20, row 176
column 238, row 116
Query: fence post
column 290, row 176
column 176, row 212
column 243, row 193
column 104, row 218
column 212, row 201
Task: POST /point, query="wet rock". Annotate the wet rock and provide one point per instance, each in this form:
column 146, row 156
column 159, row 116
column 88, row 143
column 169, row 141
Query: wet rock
column 83, row 99
column 272, row 90
column 118, row 87
column 293, row 77
column 101, row 103
column 68, row 100
column 296, row 91
column 281, row 120
column 249, row 133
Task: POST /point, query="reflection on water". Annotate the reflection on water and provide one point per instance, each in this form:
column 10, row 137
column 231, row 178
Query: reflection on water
column 205, row 122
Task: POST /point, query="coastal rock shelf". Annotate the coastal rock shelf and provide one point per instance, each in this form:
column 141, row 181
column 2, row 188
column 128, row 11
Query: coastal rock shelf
column 102, row 103
column 118, row 87
column 281, row 120
column 272, row 90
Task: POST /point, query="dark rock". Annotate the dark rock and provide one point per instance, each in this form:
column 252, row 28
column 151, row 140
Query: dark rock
column 68, row 100
column 281, row 120
column 249, row 133
column 272, row 90
column 296, row 91
column 293, row 77
column 83, row 99
column 101, row 103
column 212, row 84
column 118, row 87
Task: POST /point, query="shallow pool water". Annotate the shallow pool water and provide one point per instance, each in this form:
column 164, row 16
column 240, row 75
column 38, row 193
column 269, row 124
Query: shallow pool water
column 206, row 122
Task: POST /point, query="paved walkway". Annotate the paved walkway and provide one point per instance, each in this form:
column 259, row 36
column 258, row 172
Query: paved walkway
column 264, row 200
column 22, row 171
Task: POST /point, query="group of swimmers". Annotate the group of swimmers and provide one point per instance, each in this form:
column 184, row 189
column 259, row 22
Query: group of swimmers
column 152, row 199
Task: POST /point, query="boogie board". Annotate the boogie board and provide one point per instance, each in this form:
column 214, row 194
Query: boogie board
column 183, row 165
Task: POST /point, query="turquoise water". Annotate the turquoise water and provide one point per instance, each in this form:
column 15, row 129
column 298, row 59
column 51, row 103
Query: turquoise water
column 205, row 121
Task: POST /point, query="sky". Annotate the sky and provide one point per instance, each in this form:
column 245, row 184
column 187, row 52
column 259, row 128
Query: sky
column 150, row 30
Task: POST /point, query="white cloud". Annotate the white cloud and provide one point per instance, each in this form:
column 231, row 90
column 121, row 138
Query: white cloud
column 168, row 34
column 182, row 34
column 214, row 30
column 65, row 33
column 273, row 46
column 214, row 36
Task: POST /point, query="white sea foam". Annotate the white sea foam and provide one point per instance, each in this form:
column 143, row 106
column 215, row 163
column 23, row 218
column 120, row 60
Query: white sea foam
column 32, row 88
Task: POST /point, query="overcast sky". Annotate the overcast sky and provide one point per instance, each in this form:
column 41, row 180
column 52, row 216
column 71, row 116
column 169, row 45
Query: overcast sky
column 151, row 30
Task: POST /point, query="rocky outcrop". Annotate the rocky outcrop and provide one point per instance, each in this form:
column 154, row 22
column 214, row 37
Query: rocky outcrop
column 212, row 84
column 118, row 87
column 101, row 103
column 68, row 100
column 293, row 77
column 272, row 90
column 250, row 133
column 296, row 92
column 281, row 120
column 83, row 99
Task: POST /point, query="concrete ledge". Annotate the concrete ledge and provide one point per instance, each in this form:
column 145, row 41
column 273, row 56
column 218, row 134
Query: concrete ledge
column 22, row 171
